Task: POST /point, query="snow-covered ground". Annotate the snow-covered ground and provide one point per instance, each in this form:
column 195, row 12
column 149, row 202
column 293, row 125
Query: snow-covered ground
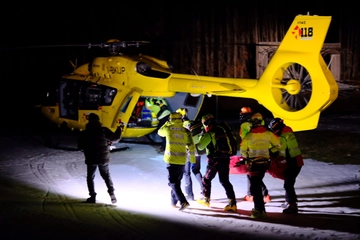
column 43, row 192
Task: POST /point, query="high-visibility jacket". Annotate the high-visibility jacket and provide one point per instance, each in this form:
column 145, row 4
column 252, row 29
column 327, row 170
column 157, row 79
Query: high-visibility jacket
column 245, row 127
column 245, row 124
column 290, row 145
column 164, row 112
column 256, row 143
column 204, row 142
column 178, row 140
column 152, row 107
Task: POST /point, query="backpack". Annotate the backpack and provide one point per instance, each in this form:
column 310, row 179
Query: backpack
column 225, row 139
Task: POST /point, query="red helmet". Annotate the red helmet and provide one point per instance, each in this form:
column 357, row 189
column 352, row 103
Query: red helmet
column 245, row 110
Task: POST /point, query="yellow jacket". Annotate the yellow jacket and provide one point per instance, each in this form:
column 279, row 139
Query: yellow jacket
column 256, row 143
column 178, row 139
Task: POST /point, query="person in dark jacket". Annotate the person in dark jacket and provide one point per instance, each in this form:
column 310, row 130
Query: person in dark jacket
column 218, row 164
column 94, row 141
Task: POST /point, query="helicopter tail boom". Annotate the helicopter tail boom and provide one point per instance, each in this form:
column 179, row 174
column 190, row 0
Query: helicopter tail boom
column 296, row 85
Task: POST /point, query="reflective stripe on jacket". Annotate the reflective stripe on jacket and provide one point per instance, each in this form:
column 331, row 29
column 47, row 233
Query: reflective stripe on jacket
column 256, row 143
column 289, row 142
column 178, row 139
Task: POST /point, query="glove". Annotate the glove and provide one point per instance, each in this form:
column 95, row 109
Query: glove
column 121, row 126
column 242, row 162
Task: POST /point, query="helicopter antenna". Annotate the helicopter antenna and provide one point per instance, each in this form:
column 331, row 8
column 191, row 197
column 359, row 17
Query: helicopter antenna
column 74, row 65
column 192, row 68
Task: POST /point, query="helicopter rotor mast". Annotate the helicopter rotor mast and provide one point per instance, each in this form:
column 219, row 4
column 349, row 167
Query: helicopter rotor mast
column 115, row 45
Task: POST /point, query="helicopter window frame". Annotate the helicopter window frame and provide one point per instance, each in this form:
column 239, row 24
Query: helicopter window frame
column 68, row 99
column 125, row 106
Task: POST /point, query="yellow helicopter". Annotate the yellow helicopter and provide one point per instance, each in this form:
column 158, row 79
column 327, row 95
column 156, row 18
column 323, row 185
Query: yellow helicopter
column 123, row 89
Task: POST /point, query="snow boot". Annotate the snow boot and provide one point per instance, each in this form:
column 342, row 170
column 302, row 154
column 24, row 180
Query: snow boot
column 291, row 209
column 267, row 198
column 204, row 201
column 231, row 207
column 91, row 199
column 255, row 213
column 248, row 198
column 112, row 197
column 184, row 206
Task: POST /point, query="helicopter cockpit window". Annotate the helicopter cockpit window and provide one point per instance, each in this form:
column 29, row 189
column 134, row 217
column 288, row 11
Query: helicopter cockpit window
column 91, row 98
column 109, row 96
column 94, row 96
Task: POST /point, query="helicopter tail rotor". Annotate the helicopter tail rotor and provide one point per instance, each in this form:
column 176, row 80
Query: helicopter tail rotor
column 301, row 83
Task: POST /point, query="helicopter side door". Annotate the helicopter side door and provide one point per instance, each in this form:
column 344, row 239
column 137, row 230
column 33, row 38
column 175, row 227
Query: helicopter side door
column 69, row 99
column 131, row 129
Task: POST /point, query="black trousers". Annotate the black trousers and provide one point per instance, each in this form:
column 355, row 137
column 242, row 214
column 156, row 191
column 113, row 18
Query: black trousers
column 104, row 173
column 263, row 187
column 175, row 174
column 218, row 166
column 291, row 172
column 256, row 175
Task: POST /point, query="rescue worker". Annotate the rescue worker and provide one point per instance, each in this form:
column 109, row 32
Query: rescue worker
column 154, row 109
column 162, row 117
column 255, row 149
column 190, row 167
column 217, row 163
column 245, row 126
column 291, row 153
column 178, row 140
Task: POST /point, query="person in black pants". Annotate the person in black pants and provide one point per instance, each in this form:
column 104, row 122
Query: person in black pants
column 245, row 126
column 255, row 149
column 179, row 145
column 218, row 163
column 289, row 151
column 94, row 141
